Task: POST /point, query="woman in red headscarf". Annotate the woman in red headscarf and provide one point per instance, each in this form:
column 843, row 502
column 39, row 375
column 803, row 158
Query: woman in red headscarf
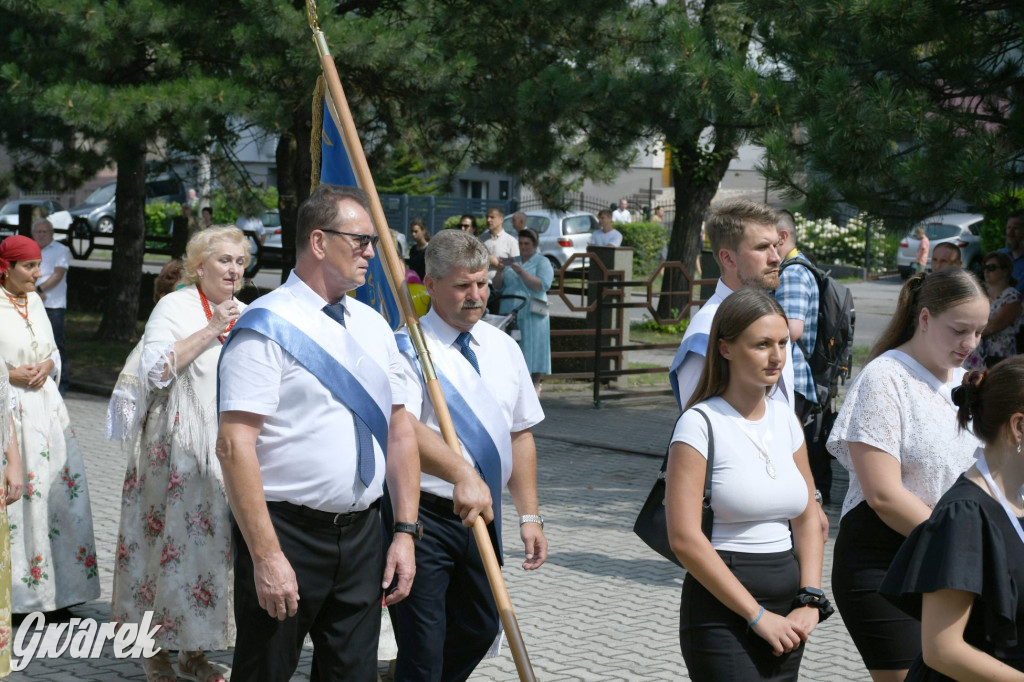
column 53, row 553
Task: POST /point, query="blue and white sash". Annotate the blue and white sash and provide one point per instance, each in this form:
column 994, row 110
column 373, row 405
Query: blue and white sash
column 477, row 418
column 362, row 386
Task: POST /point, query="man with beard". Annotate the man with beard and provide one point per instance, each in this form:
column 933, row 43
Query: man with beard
column 743, row 239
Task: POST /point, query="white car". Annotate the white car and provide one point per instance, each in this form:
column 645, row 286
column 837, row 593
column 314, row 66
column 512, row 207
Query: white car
column 961, row 229
column 56, row 214
column 562, row 233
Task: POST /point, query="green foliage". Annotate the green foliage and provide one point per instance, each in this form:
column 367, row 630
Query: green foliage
column 830, row 244
column 996, row 209
column 647, row 240
column 158, row 218
column 901, row 106
column 649, row 325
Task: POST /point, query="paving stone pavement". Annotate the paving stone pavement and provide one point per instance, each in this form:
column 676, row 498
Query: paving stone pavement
column 604, row 607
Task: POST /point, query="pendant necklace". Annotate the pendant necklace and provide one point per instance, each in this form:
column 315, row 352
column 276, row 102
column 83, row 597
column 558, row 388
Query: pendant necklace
column 22, row 309
column 209, row 314
column 762, row 451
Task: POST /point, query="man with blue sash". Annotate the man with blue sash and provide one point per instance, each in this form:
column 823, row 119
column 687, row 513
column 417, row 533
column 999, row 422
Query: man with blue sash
column 743, row 239
column 449, row 621
column 313, row 422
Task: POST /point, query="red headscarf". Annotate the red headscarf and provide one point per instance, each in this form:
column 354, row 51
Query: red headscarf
column 18, row 248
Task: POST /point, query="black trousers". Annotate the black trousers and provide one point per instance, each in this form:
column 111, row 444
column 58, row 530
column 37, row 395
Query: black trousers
column 886, row 638
column 338, row 569
column 817, row 427
column 56, row 317
column 716, row 643
column 449, row 621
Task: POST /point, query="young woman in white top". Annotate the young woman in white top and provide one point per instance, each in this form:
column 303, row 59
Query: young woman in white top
column 897, row 435
column 752, row 593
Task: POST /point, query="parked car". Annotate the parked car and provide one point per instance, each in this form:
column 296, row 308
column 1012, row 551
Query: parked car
column 562, row 233
column 960, row 229
column 56, row 213
column 99, row 207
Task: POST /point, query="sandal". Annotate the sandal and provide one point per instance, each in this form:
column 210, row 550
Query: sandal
column 158, row 668
column 192, row 665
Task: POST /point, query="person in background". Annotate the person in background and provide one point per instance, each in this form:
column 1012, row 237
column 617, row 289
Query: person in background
column 946, row 255
column 420, row 238
column 622, row 214
column 530, row 280
column 174, row 536
column 607, row 235
column 1015, row 245
column 959, row 572
column 999, row 338
column 518, row 221
column 658, row 215
column 13, row 487
column 752, row 594
column 896, row 434
column 53, row 551
column 467, row 223
column 52, row 287
column 206, row 218
column 921, row 260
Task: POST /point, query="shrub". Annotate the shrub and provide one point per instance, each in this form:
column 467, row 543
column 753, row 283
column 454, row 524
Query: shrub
column 996, row 208
column 647, row 240
column 158, row 218
column 830, row 244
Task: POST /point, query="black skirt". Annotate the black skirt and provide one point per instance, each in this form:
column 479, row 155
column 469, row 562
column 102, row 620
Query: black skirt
column 886, row 637
column 716, row 643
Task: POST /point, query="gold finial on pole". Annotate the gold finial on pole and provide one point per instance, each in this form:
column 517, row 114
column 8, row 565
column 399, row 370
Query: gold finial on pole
column 311, row 15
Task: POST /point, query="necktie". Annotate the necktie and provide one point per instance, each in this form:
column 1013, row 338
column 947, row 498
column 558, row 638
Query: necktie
column 467, row 352
column 364, row 439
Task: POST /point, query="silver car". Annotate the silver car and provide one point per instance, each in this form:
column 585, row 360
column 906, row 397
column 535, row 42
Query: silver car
column 960, row 229
column 562, row 233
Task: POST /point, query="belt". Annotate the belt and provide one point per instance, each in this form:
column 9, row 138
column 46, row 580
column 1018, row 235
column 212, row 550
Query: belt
column 438, row 504
column 325, row 517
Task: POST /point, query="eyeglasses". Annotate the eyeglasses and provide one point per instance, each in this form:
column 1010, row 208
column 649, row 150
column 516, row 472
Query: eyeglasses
column 361, row 239
column 467, row 226
column 992, row 267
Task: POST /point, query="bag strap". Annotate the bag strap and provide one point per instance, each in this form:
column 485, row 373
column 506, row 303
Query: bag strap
column 706, row 514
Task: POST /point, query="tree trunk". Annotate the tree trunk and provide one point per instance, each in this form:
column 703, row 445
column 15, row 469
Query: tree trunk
column 122, row 305
column 696, row 182
column 294, row 165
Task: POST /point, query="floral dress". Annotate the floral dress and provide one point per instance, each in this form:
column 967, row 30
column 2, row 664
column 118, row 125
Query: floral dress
column 1003, row 343
column 53, row 551
column 174, row 542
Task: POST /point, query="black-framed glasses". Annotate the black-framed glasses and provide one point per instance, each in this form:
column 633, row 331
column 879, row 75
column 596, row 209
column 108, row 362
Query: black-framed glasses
column 991, row 267
column 361, row 239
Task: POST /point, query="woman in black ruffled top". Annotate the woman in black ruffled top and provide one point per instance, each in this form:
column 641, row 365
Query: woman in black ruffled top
column 962, row 571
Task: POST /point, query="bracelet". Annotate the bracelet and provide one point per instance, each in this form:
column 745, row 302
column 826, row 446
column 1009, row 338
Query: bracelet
column 755, row 621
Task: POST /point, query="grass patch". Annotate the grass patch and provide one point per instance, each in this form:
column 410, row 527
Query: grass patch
column 93, row 361
column 653, row 379
column 650, row 331
column 860, row 355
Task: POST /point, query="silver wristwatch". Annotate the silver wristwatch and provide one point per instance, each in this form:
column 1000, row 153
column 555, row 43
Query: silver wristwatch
column 532, row 518
column 817, row 497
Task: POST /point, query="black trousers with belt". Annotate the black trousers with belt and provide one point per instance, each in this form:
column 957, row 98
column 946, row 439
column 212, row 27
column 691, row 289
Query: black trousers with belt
column 338, row 565
column 449, row 621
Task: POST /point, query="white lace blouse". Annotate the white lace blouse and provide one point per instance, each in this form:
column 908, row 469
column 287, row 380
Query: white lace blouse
column 899, row 407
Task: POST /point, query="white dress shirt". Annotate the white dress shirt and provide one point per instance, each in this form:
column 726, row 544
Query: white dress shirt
column 503, row 371
column 307, row 446
column 55, row 255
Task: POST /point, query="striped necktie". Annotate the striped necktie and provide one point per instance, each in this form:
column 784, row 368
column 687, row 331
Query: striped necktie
column 467, row 352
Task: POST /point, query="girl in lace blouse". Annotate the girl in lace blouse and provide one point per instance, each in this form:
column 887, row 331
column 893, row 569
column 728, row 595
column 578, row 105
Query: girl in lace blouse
column 897, row 436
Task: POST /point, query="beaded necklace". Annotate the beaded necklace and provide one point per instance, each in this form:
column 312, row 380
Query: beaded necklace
column 209, row 315
column 22, row 309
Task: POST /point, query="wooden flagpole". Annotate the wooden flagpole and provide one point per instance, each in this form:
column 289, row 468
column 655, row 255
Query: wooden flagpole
column 397, row 269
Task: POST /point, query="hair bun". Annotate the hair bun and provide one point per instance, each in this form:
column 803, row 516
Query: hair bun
column 959, row 395
column 967, row 396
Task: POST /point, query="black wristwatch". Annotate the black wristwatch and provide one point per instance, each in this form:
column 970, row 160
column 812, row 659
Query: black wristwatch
column 812, row 596
column 413, row 529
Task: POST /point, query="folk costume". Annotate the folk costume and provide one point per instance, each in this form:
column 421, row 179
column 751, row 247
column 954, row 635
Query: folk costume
column 174, row 541
column 6, row 435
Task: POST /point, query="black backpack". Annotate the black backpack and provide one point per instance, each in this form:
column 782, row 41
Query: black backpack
column 831, row 359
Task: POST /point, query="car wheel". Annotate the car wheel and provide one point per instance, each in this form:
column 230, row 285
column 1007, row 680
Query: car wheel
column 555, row 265
column 106, row 225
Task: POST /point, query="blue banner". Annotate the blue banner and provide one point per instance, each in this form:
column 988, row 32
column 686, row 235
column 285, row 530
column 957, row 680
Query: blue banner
column 336, row 169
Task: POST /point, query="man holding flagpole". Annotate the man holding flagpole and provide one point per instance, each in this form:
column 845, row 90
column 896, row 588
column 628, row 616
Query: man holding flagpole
column 450, row 620
column 311, row 396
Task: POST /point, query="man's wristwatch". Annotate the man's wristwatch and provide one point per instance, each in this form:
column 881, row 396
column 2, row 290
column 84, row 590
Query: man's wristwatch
column 413, row 529
column 812, row 596
column 532, row 518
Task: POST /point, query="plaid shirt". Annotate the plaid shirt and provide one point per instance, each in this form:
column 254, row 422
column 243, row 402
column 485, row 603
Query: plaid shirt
column 798, row 296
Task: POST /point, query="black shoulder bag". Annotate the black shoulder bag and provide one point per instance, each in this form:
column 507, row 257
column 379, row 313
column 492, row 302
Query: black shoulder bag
column 651, row 526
